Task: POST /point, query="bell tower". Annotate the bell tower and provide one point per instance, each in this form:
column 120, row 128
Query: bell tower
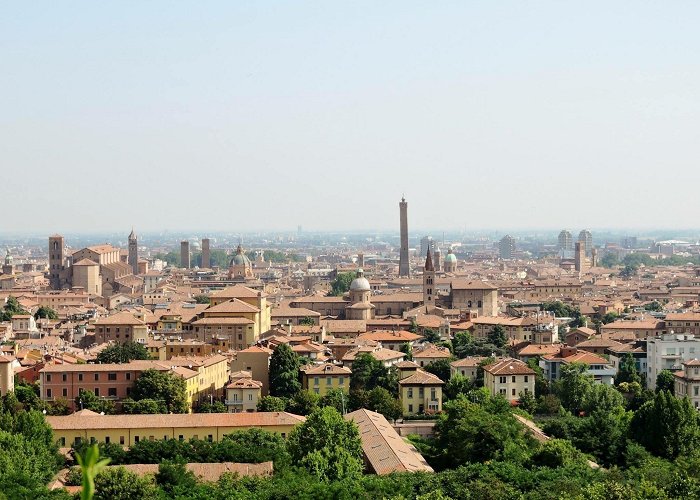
column 133, row 252
column 429, row 283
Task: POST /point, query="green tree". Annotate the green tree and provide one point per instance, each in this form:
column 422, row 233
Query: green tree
column 284, row 372
column 556, row 453
column 456, row 385
column 170, row 391
column 142, row 407
column 303, row 402
column 86, row 400
column 430, row 335
column 45, row 312
column 12, row 308
column 469, row 432
column 627, row 371
column 666, row 426
column 609, row 260
column 307, row 321
column 117, row 483
column 123, row 353
column 367, row 372
column 207, row 407
column 573, row 386
column 440, row 368
column 654, row 306
column 341, row 284
column 381, row 401
column 271, row 403
column 609, row 317
column 665, row 381
column 327, row 445
column 174, row 479
column 527, row 402
column 202, row 299
column 498, row 337
column 541, row 384
column 337, row 399
column 603, row 398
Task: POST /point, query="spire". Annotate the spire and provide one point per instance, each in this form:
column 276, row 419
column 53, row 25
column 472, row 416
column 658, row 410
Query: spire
column 132, row 235
column 429, row 262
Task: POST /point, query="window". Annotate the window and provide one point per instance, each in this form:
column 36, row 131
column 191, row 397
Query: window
column 64, row 377
column 78, row 440
column 432, row 394
column 128, row 376
column 97, row 391
column 112, row 392
column 97, row 377
column 513, row 379
column 512, row 392
column 329, row 380
column 410, row 408
column 210, row 438
column 410, row 392
column 421, row 392
column 107, row 440
column 63, row 441
column 65, row 392
column 48, row 377
column 317, row 380
column 48, row 393
column 341, row 380
column 136, row 439
column 111, row 376
column 181, row 437
column 526, row 378
column 501, row 380
column 121, row 439
column 696, row 391
column 80, row 377
column 502, row 391
column 250, row 397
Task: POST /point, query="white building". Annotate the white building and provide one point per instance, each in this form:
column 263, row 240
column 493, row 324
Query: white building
column 668, row 352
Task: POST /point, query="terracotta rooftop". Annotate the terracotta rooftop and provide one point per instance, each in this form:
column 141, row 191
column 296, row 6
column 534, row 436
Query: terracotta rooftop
column 81, row 420
column 509, row 366
column 421, row 378
column 120, row 318
column 384, row 449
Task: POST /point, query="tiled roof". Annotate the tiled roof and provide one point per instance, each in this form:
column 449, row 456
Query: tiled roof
column 509, row 366
column 326, row 369
column 468, row 362
column 235, row 292
column 120, row 318
column 233, row 306
column 383, row 448
column 207, row 471
column 471, row 285
column 390, row 336
column 79, row 421
column 421, row 378
column 213, row 320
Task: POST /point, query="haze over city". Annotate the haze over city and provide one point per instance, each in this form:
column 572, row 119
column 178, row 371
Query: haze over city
column 252, row 117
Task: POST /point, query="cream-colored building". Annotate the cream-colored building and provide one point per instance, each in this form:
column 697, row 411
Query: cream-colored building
column 255, row 360
column 121, row 327
column 126, row 430
column 322, row 378
column 7, row 375
column 243, row 393
column 687, row 382
column 419, row 391
column 509, row 377
column 466, row 367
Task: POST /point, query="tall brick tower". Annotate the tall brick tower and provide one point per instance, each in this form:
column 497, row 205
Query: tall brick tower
column 404, row 269
column 56, row 261
column 206, row 255
column 133, row 252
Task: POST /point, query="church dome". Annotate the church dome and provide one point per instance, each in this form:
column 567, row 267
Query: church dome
column 360, row 283
column 450, row 257
column 240, row 259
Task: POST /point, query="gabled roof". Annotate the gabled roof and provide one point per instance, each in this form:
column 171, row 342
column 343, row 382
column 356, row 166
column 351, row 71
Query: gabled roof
column 461, row 284
column 421, row 378
column 236, row 292
column 120, row 318
column 233, row 306
column 509, row 366
column 384, row 449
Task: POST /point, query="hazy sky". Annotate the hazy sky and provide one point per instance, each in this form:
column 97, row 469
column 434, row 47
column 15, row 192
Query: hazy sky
column 265, row 115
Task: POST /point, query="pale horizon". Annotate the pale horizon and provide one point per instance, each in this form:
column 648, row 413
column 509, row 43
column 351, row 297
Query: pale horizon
column 254, row 117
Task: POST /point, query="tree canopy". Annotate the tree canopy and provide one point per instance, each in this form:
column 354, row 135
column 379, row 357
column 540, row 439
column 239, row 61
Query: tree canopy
column 341, row 284
column 123, row 353
column 168, row 391
column 284, row 372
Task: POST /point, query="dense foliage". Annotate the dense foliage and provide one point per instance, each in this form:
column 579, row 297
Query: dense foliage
column 284, row 372
column 123, row 353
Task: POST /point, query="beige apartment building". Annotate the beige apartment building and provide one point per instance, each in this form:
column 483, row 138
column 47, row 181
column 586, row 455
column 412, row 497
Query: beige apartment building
column 243, row 393
column 687, row 382
column 419, row 391
column 476, row 296
column 121, row 327
column 508, row 378
column 255, row 360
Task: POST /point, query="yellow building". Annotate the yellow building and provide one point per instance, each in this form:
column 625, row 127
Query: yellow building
column 88, row 426
column 255, row 360
column 419, row 391
column 509, row 377
column 322, row 378
column 212, row 376
column 243, row 393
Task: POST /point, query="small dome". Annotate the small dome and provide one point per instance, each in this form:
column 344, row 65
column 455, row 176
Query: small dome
column 450, row 257
column 360, row 283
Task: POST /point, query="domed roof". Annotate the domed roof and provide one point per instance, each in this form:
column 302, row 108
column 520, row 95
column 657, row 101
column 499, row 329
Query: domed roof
column 240, row 259
column 360, row 283
column 450, row 257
